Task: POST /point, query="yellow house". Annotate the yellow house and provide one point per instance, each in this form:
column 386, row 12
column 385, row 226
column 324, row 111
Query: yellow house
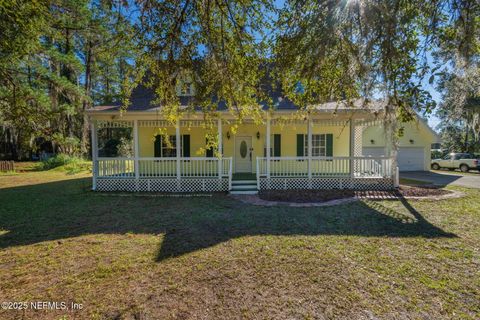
column 337, row 146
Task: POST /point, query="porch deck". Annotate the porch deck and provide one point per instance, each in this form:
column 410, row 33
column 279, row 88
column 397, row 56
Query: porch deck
column 216, row 174
column 328, row 157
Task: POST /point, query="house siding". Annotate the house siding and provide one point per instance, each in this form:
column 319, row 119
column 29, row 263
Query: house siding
column 288, row 134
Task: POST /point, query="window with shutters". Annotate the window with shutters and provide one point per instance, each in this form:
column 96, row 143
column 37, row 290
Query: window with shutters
column 163, row 149
column 319, row 145
column 210, row 152
column 275, row 146
column 322, row 145
column 169, row 149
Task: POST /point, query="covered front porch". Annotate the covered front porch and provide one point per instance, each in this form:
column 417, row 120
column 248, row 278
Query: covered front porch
column 130, row 154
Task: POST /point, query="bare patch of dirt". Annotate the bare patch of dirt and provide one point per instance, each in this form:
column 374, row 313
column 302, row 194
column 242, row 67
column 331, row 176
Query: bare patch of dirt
column 306, row 196
column 422, row 191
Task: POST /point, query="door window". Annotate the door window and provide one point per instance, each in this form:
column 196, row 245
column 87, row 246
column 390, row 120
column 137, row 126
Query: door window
column 243, row 149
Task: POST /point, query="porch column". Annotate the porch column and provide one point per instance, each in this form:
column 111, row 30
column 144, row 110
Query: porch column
column 220, row 149
column 94, row 154
column 352, row 148
column 390, row 152
column 135, row 149
column 267, row 136
column 387, row 150
column 309, row 143
column 179, row 149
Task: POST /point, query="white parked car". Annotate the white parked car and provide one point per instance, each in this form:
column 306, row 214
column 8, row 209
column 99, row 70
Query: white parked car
column 452, row 161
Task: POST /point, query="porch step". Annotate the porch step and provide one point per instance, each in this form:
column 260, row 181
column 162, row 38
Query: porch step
column 244, row 182
column 243, row 191
column 244, row 187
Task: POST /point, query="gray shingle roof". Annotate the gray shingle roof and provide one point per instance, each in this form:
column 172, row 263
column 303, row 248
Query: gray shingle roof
column 142, row 98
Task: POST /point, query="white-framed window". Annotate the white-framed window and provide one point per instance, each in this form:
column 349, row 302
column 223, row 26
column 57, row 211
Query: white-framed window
column 186, row 89
column 319, row 145
column 165, row 150
column 170, row 150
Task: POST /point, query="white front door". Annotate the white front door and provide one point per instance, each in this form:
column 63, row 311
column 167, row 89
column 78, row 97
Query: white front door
column 243, row 154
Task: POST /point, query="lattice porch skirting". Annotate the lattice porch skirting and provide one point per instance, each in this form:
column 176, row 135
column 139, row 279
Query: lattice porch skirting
column 327, row 183
column 162, row 185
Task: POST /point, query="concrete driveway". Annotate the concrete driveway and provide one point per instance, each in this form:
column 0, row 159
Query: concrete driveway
column 444, row 178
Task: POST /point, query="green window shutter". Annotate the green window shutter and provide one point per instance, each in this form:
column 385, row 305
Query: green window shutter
column 186, row 145
column 277, row 145
column 157, row 147
column 209, row 152
column 300, row 145
column 329, row 148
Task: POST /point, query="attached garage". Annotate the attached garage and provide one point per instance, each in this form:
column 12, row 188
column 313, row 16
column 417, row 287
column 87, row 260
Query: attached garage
column 414, row 144
column 409, row 158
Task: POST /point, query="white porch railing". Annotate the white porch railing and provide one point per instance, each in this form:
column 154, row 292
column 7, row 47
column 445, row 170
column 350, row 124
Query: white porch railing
column 164, row 167
column 115, row 167
column 325, row 167
column 373, row 167
column 157, row 167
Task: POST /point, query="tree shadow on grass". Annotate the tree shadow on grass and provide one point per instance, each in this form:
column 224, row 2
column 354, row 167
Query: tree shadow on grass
column 64, row 209
column 365, row 219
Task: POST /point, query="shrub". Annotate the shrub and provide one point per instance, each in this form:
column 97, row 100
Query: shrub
column 70, row 164
column 66, row 145
column 437, row 154
column 55, row 161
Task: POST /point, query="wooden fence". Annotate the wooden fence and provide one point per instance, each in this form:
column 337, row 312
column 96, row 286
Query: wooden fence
column 7, row 166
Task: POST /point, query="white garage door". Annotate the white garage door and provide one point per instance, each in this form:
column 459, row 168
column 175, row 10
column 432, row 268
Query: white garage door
column 409, row 159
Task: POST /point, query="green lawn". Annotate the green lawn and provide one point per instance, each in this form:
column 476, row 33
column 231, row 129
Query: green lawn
column 457, row 171
column 413, row 182
column 144, row 257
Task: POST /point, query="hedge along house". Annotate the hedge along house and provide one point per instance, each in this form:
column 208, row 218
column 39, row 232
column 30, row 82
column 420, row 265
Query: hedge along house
column 321, row 151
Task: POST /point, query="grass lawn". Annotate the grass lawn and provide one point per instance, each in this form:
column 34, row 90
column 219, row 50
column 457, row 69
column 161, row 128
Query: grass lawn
column 457, row 171
column 413, row 182
column 144, row 257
